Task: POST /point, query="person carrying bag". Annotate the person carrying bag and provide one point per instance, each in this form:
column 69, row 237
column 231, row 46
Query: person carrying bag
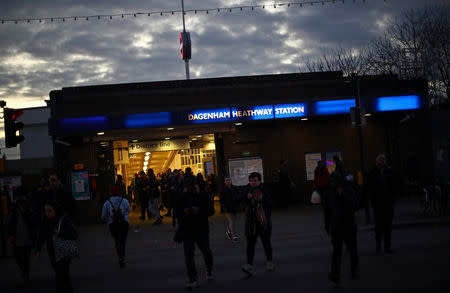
column 60, row 235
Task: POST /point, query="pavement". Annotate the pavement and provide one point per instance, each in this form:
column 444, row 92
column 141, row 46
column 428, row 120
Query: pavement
column 302, row 253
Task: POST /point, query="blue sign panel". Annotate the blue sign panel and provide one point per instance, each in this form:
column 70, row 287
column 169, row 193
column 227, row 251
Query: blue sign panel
column 252, row 113
column 147, row 120
column 84, row 123
column 209, row 116
column 397, row 103
column 334, row 107
column 290, row 110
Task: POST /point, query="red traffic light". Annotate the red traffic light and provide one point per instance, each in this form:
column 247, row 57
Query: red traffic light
column 17, row 114
column 12, row 126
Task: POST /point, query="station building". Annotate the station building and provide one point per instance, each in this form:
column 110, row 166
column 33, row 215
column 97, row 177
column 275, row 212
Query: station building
column 232, row 126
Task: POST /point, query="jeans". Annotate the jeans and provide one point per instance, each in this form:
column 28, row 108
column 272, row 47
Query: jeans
column 251, row 243
column 62, row 271
column 231, row 217
column 22, row 255
column 154, row 207
column 383, row 225
column 120, row 232
column 337, row 240
column 326, row 210
column 202, row 242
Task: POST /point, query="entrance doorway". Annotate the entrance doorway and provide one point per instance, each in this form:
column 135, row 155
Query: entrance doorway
column 133, row 156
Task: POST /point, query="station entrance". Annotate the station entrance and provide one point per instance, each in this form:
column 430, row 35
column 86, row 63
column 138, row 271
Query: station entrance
column 196, row 152
column 133, row 156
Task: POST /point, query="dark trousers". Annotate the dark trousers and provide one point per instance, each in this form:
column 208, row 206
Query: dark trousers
column 62, row 271
column 383, row 225
column 202, row 242
column 338, row 239
column 145, row 200
column 251, row 243
column 119, row 232
column 326, row 210
column 22, row 255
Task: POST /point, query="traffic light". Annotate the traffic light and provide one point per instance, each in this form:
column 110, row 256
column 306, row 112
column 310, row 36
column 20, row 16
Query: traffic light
column 12, row 126
column 185, row 45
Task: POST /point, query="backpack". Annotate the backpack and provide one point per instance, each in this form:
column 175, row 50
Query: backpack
column 117, row 215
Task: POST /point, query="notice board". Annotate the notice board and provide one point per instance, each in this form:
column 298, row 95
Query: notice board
column 242, row 167
column 311, row 160
column 80, row 185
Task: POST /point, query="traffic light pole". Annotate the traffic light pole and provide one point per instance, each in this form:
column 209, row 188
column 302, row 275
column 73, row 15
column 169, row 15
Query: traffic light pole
column 356, row 87
column 186, row 61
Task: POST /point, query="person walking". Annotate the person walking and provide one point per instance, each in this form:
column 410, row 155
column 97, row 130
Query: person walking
column 65, row 199
column 342, row 204
column 321, row 175
column 39, row 196
column 229, row 200
column 121, row 184
column 153, row 190
column 56, row 224
column 383, row 187
column 144, row 196
column 21, row 235
column 258, row 222
column 201, row 183
column 115, row 214
column 192, row 210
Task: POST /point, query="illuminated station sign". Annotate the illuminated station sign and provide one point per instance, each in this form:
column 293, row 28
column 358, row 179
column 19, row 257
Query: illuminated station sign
column 241, row 113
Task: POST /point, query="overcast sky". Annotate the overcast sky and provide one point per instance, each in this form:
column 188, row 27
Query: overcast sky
column 37, row 58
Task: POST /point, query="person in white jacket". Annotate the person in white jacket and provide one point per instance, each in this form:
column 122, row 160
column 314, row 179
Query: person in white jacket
column 115, row 214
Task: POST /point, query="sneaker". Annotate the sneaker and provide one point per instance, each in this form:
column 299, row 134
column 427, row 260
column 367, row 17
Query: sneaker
column 192, row 284
column 270, row 266
column 157, row 222
column 248, row 269
column 334, row 278
column 235, row 239
column 229, row 235
column 210, row 277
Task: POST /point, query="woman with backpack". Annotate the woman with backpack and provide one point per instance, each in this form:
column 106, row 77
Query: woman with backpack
column 115, row 214
column 54, row 226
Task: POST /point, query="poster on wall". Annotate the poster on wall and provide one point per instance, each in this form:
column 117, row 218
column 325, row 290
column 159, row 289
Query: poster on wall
column 311, row 160
column 239, row 169
column 329, row 160
column 80, row 185
column 12, row 182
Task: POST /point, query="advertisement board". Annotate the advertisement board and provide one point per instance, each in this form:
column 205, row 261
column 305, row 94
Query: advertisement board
column 80, row 185
column 242, row 167
column 311, row 160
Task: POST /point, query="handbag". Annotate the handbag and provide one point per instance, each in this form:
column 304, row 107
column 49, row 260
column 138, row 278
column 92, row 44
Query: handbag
column 315, row 197
column 65, row 250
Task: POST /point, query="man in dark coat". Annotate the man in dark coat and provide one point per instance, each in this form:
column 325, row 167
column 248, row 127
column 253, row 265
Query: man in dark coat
column 258, row 221
column 383, row 186
column 143, row 187
column 63, row 198
column 342, row 204
column 192, row 211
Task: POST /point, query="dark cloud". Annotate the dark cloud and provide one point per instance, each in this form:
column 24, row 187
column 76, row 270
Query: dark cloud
column 37, row 58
